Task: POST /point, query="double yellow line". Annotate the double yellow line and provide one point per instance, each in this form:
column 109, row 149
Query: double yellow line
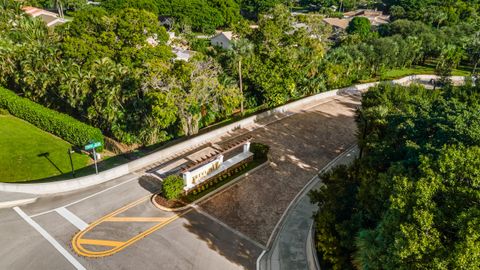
column 79, row 241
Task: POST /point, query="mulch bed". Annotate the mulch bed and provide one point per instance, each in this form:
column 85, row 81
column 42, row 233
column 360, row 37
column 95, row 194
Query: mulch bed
column 169, row 204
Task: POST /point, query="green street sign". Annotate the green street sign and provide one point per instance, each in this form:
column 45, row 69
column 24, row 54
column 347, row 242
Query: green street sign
column 93, row 145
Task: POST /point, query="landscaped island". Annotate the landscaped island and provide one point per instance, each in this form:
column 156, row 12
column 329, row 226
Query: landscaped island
column 189, row 184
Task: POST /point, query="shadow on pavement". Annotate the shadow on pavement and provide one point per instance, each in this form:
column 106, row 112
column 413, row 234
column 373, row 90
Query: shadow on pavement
column 231, row 246
column 300, row 146
column 150, row 183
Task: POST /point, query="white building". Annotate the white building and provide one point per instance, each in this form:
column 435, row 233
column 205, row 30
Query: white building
column 223, row 40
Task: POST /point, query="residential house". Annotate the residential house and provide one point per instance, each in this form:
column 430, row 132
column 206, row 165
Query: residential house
column 223, row 40
column 375, row 17
column 51, row 19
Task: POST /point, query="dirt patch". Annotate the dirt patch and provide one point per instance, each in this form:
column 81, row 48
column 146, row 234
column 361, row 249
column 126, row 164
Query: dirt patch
column 300, row 146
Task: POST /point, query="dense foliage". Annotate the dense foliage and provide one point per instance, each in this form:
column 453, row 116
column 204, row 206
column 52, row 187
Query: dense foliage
column 435, row 12
column 412, row 200
column 172, row 187
column 61, row 125
column 200, row 15
column 114, row 71
column 112, row 66
column 259, row 150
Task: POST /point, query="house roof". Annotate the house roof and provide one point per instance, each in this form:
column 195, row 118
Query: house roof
column 336, row 22
column 49, row 18
column 227, row 34
column 364, row 12
column 376, row 17
column 181, row 54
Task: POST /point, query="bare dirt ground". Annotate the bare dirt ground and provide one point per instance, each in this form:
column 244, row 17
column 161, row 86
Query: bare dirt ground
column 300, row 146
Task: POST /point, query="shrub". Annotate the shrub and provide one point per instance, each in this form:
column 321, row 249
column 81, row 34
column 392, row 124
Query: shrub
column 4, row 111
column 260, row 151
column 172, row 187
column 59, row 124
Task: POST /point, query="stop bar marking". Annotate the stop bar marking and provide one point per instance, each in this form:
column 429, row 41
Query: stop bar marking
column 72, row 218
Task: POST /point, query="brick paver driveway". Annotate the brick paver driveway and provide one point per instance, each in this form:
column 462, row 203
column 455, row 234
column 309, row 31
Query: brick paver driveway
column 301, row 145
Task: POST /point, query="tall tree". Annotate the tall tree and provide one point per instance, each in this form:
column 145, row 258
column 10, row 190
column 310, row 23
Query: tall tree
column 241, row 48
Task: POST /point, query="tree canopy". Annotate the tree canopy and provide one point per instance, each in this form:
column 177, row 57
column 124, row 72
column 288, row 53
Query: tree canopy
column 412, row 200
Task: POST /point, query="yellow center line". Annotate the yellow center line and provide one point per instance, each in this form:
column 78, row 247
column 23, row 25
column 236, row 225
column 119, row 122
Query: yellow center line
column 78, row 240
column 136, row 219
column 97, row 242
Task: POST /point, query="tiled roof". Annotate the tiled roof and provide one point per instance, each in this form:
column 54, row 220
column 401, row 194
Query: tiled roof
column 49, row 18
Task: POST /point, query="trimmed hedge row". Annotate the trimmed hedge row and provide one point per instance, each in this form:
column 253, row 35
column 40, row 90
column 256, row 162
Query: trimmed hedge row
column 59, row 124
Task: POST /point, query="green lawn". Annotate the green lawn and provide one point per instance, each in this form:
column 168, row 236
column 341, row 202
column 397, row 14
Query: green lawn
column 28, row 153
column 398, row 73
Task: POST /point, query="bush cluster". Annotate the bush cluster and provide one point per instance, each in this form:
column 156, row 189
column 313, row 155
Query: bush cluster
column 172, row 187
column 260, row 151
column 59, row 124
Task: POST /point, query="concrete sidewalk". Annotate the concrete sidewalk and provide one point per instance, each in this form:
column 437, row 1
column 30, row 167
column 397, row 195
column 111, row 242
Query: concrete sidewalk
column 289, row 247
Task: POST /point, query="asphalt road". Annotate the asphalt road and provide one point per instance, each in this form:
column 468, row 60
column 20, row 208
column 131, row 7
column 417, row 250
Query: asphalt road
column 115, row 226
column 189, row 241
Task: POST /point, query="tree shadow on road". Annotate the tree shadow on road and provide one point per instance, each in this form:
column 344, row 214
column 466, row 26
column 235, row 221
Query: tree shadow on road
column 150, row 183
column 234, row 248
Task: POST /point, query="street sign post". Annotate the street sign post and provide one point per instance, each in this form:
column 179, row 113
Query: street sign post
column 70, row 152
column 92, row 146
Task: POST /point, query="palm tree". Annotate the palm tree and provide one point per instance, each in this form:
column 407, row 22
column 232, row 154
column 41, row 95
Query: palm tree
column 59, row 5
column 241, row 49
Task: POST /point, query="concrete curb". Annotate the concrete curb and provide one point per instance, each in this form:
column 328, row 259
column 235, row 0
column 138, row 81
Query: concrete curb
column 302, row 192
column 263, row 262
column 87, row 181
column 312, row 258
column 10, row 204
column 167, row 209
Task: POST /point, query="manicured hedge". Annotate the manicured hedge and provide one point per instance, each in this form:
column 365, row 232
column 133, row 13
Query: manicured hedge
column 59, row 124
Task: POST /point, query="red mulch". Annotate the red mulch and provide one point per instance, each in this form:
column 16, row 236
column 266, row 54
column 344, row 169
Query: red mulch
column 169, row 204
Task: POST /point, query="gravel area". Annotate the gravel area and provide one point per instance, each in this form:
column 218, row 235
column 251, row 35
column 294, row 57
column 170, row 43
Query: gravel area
column 300, row 146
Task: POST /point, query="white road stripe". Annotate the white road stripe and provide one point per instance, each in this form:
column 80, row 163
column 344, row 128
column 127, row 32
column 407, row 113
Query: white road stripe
column 86, row 198
column 72, row 218
column 50, row 239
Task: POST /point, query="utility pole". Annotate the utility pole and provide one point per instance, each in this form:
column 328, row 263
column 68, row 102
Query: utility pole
column 241, row 83
column 70, row 152
column 95, row 158
column 92, row 146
